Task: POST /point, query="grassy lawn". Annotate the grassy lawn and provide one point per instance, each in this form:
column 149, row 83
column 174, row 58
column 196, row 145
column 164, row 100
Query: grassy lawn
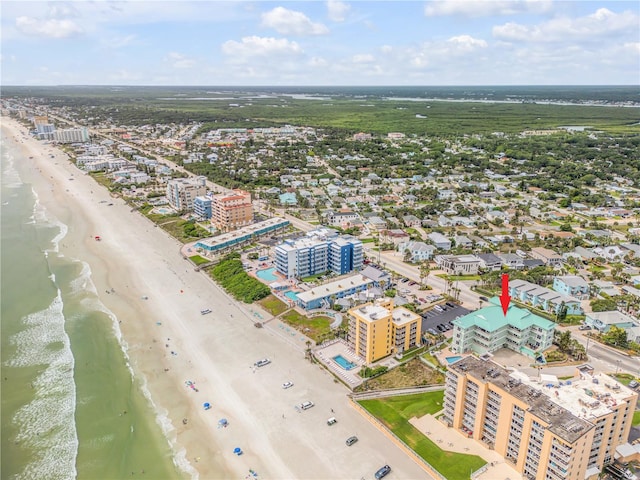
column 315, row 327
column 273, row 305
column 395, row 412
column 636, row 418
column 198, row 260
column 409, row 374
column 623, row 378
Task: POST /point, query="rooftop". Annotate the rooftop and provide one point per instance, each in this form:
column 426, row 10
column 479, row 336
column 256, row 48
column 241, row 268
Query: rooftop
column 491, row 318
column 569, row 408
column 333, row 288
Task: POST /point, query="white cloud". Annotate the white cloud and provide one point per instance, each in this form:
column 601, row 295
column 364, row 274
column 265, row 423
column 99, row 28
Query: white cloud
column 255, row 46
column 601, row 23
column 290, row 22
column 119, row 41
column 337, row 10
column 466, row 43
column 318, row 62
column 51, row 28
column 178, row 60
column 476, row 8
column 363, row 58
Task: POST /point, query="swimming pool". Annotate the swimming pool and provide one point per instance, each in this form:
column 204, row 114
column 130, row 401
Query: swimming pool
column 451, row 360
column 267, row 274
column 291, row 295
column 343, row 362
column 164, row 210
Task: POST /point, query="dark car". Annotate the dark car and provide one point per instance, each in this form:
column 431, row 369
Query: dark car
column 483, row 298
column 351, row 440
column 383, row 472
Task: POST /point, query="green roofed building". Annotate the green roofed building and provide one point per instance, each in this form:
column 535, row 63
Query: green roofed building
column 488, row 329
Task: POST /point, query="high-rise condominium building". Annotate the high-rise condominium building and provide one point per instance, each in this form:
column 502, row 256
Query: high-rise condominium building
column 230, row 211
column 319, row 251
column 182, row 192
column 547, row 430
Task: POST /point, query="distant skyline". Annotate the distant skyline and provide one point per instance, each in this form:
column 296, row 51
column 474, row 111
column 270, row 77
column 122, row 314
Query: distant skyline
column 440, row 42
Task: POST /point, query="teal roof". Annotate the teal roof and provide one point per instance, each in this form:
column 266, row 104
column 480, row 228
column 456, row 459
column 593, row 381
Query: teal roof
column 491, row 318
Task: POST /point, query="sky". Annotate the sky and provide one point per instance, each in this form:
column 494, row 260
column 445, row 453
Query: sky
column 335, row 42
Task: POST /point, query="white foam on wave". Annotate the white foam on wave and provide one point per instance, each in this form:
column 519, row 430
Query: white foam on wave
column 46, row 425
column 41, row 216
column 180, row 459
column 10, row 176
column 161, row 415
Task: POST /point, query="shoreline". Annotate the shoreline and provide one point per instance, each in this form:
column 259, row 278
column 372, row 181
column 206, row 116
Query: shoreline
column 215, row 351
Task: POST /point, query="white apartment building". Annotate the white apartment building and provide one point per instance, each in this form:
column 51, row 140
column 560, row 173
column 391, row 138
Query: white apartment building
column 181, row 192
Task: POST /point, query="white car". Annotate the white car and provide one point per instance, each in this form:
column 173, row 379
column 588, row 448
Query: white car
column 286, row 385
column 263, row 362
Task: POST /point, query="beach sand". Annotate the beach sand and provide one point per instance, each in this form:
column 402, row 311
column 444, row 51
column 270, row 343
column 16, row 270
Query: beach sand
column 215, row 351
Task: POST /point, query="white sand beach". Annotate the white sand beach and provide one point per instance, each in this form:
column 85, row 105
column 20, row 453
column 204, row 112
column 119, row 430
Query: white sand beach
column 215, row 351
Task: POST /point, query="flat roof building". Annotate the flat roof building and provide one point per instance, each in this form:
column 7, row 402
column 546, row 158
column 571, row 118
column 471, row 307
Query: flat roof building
column 317, row 252
column 228, row 241
column 230, row 211
column 545, row 430
column 379, row 329
column 182, row 192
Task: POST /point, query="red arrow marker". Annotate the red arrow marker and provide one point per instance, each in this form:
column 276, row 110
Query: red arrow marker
column 505, row 298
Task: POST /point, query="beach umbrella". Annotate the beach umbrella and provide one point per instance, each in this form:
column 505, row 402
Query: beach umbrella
column 237, row 451
column 207, row 405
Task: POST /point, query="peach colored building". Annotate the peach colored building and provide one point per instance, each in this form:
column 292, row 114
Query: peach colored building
column 230, row 211
column 546, row 429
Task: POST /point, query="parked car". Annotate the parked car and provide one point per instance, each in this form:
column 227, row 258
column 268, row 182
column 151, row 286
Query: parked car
column 263, row 362
column 286, row 385
column 332, row 421
column 306, row 405
column 351, row 440
column 483, row 298
column 205, row 311
column 584, row 327
column 383, row 472
column 633, row 384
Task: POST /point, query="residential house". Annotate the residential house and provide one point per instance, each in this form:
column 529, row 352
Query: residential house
column 458, row 264
column 511, row 260
column 603, row 321
column 489, row 262
column 418, row 251
column 572, row 285
column 529, row 263
column 612, row 253
column 605, row 287
column 342, row 219
column 377, row 223
column 549, row 257
column 395, row 236
column 440, row 241
column 543, row 298
column 463, row 241
column 411, row 221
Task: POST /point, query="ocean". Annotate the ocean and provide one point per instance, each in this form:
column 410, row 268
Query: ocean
column 71, row 406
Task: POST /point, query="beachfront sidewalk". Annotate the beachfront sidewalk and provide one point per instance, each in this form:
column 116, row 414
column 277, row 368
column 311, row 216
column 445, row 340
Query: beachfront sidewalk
column 452, row 440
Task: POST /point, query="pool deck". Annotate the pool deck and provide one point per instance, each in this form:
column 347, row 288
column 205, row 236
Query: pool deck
column 325, row 353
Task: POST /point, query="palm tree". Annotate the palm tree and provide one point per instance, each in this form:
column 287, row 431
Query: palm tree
column 425, row 270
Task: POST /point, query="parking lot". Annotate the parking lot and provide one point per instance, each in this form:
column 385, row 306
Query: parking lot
column 438, row 319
